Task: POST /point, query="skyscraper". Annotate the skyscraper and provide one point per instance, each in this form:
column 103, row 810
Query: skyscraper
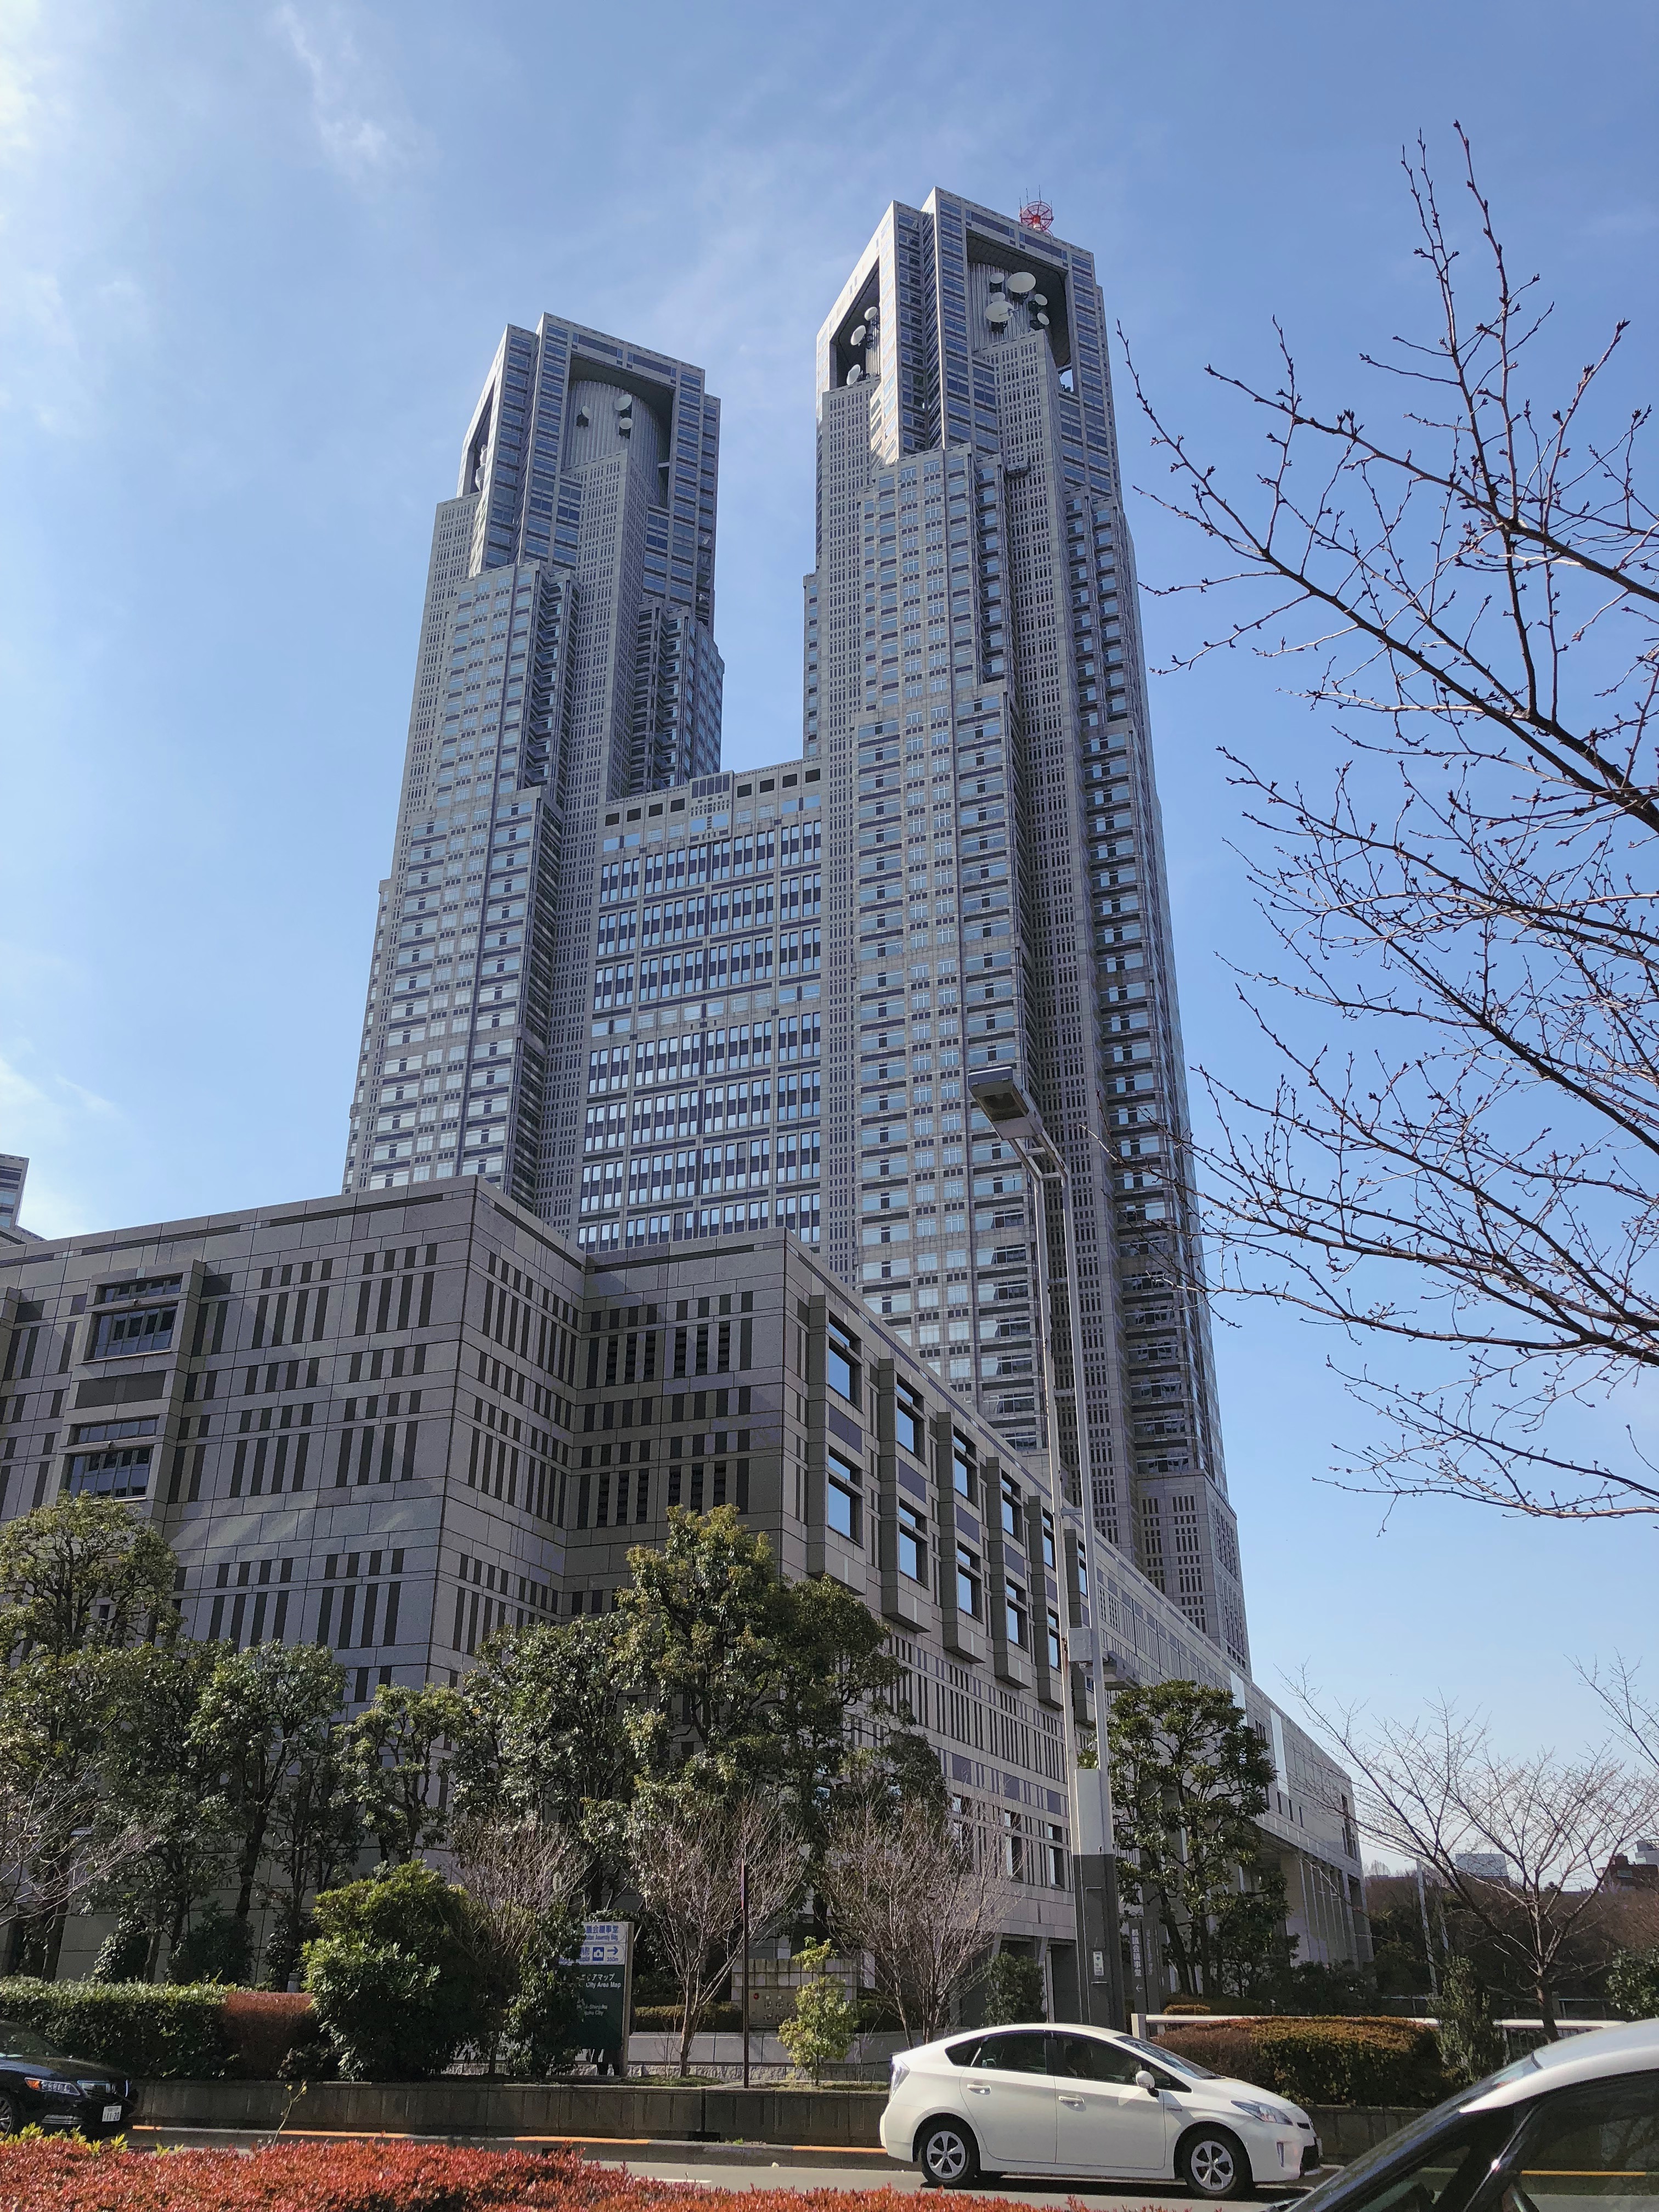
column 567, row 656
column 658, row 1002
column 975, row 690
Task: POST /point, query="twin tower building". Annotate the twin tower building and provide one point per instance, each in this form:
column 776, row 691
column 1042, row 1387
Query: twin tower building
column 665, row 1184
column 654, row 1001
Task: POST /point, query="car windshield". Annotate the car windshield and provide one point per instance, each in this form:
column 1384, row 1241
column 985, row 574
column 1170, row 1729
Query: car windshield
column 1172, row 2059
column 1418, row 2135
column 19, row 2042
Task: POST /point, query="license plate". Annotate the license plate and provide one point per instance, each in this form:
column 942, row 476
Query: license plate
column 111, row 2113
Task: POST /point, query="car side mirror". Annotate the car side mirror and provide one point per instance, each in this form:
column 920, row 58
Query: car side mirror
column 1147, row 2080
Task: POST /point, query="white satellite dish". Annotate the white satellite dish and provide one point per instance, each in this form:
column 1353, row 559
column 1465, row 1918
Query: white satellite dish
column 1021, row 284
column 1037, row 300
column 854, row 373
column 997, row 312
column 857, row 338
column 1043, row 322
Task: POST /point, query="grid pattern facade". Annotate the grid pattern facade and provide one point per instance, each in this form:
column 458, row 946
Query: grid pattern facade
column 565, row 658
column 997, row 895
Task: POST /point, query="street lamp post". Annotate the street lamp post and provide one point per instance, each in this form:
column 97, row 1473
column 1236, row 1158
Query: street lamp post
column 1094, row 1863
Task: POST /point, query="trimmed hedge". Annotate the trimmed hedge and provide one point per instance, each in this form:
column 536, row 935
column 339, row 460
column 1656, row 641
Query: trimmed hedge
column 149, row 2028
column 1323, row 2062
column 192, row 2031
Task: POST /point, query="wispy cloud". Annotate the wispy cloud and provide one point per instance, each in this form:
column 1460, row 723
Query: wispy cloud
column 363, row 146
column 56, row 1122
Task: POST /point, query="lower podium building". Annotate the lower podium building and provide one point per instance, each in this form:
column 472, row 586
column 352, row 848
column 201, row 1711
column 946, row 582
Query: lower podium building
column 394, row 1423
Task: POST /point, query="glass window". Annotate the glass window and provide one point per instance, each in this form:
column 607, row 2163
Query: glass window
column 1013, row 1519
column 970, row 1587
column 1018, row 1618
column 961, row 1467
column 1436, row 2166
column 1087, row 2058
column 117, row 1335
column 910, row 1423
column 841, row 1363
column 842, row 1499
column 1597, row 2144
column 1022, row 2052
column 912, row 1543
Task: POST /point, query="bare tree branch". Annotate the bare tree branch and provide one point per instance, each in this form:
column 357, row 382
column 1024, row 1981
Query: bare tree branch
column 1473, row 594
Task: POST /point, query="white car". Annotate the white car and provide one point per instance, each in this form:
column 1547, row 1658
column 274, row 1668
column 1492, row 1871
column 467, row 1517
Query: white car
column 1573, row 2128
column 1085, row 2101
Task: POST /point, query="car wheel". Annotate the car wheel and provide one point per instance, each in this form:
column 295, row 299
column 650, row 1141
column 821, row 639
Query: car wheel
column 1213, row 2163
column 9, row 2122
column 948, row 2156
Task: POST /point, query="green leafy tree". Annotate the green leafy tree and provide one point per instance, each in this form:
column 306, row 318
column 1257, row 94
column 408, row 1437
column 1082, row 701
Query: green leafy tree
column 264, row 1711
column 579, row 1775
column 1632, row 1984
column 1189, row 1776
column 1013, row 1987
column 391, row 1750
column 162, row 1779
column 739, row 1681
column 824, row 2019
column 81, row 1574
column 56, row 1713
column 311, row 1844
column 403, row 1975
column 702, row 1650
column 1251, row 1949
column 1471, row 2041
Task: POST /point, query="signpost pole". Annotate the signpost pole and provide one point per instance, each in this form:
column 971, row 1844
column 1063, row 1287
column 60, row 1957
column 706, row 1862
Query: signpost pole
column 743, row 1895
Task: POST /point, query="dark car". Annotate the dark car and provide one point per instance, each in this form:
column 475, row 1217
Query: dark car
column 43, row 2087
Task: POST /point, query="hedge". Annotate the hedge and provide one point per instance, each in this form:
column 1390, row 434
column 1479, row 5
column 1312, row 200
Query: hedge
column 53, row 2174
column 196, row 2033
column 1323, row 2062
column 145, row 2028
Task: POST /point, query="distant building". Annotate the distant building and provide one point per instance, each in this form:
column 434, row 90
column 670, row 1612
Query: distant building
column 1484, row 1866
column 1640, row 1870
column 13, row 1173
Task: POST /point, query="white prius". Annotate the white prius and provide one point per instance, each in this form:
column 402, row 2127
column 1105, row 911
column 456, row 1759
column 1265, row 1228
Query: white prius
column 1084, row 2101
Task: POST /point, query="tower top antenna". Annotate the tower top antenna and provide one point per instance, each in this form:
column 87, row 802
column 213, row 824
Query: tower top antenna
column 1036, row 214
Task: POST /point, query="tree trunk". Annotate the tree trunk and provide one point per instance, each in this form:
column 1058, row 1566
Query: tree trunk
column 1546, row 2007
column 688, row 2017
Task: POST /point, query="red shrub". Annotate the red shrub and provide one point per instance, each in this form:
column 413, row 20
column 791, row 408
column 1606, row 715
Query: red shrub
column 259, row 2026
column 59, row 2175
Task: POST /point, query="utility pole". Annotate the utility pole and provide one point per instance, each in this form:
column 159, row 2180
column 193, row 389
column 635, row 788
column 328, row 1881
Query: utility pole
column 1094, row 1861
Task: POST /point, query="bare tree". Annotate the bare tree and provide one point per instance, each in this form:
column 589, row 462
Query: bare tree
column 1437, row 1792
column 1468, row 592
column 685, row 1849
column 1634, row 1712
column 523, row 1875
column 912, row 1892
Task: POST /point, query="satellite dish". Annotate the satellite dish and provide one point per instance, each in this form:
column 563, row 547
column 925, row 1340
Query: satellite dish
column 857, row 338
column 1043, row 322
column 581, row 417
column 854, row 373
column 1021, row 284
column 997, row 312
column 996, row 279
column 1037, row 300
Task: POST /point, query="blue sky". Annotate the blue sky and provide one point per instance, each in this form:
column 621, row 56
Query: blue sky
column 253, row 263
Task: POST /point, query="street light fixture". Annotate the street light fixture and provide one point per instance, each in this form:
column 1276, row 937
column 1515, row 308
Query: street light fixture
column 1100, row 1966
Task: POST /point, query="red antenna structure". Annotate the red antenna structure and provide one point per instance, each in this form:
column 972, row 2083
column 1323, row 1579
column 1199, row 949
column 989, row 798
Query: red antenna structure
column 1036, row 214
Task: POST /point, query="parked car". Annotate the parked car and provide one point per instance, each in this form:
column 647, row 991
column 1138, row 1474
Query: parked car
column 1083, row 2101
column 43, row 2087
column 1573, row 2127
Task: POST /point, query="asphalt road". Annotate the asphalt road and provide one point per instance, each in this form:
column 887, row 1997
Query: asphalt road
column 884, row 2173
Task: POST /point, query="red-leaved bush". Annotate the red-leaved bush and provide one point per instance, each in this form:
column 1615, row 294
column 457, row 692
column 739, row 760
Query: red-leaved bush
column 62, row 2174
column 259, row 2028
